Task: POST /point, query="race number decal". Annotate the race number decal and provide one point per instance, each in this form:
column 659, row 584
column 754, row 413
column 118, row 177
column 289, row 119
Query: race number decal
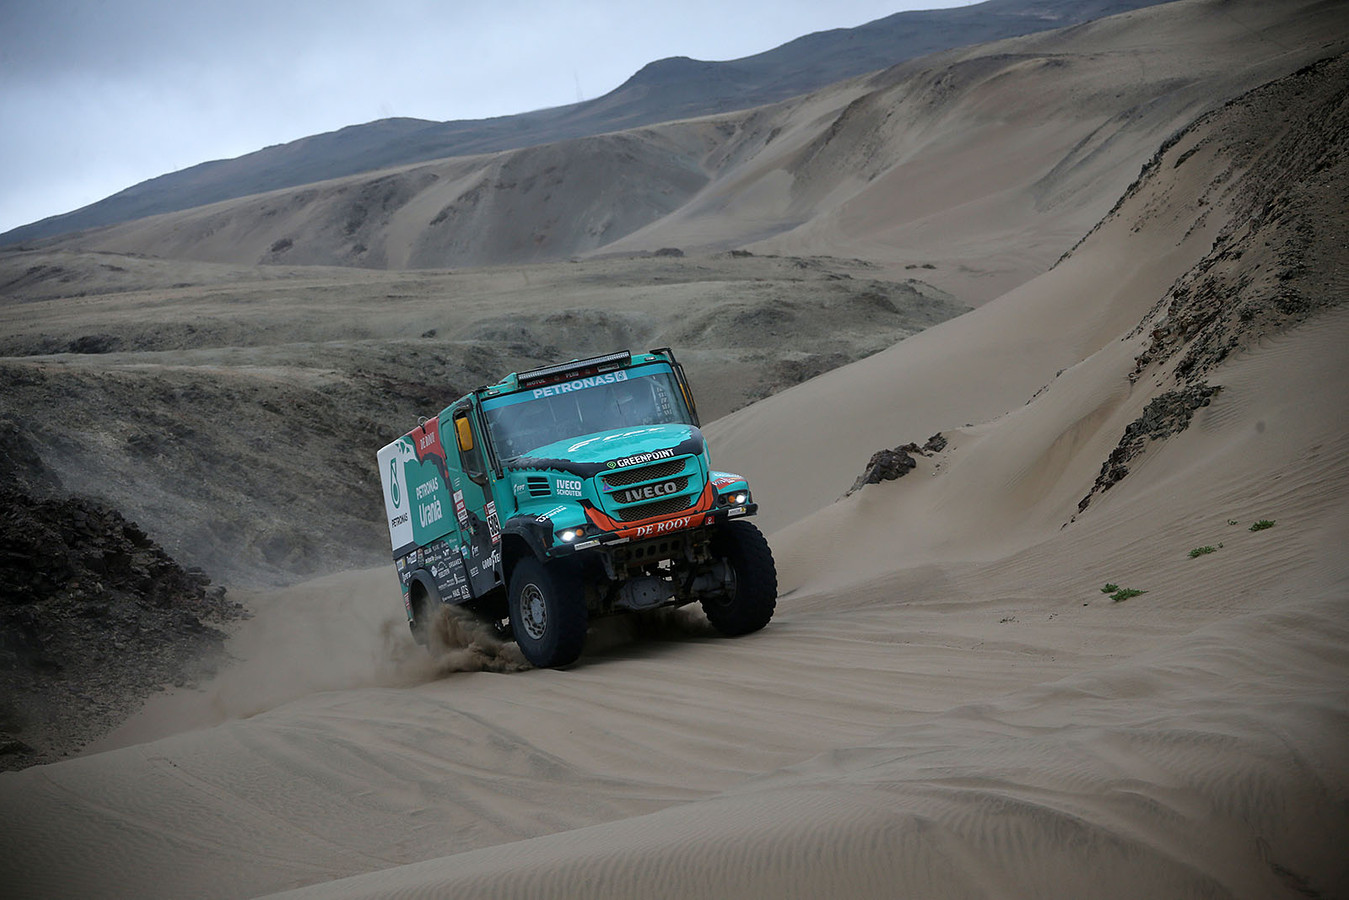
column 493, row 525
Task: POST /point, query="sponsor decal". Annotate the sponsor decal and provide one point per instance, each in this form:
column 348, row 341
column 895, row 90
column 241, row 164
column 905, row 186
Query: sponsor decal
column 427, row 488
column 427, row 439
column 659, row 528
column 640, row 458
column 580, row 384
column 520, row 489
column 398, row 520
column 611, row 437
column 460, row 511
column 429, row 513
column 569, row 487
column 552, row 512
column 395, row 489
column 722, row 480
column 650, row 492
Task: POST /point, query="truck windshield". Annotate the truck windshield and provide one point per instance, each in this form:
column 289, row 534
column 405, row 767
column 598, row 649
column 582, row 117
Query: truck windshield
column 642, row 395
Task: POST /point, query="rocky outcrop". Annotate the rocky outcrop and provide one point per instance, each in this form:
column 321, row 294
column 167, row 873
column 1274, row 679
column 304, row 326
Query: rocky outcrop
column 1278, row 259
column 1167, row 414
column 888, row 465
column 94, row 615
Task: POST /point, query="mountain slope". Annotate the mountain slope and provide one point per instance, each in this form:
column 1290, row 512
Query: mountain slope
column 982, row 166
column 662, row 91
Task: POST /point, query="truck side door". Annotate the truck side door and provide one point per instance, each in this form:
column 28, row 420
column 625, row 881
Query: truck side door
column 474, row 509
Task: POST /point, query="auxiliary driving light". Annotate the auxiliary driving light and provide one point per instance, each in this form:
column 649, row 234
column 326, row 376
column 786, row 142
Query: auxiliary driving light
column 570, row 535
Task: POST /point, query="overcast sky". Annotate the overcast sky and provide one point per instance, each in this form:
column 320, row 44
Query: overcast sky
column 97, row 95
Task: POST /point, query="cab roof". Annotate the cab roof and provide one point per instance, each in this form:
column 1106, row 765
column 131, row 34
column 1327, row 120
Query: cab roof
column 571, row 370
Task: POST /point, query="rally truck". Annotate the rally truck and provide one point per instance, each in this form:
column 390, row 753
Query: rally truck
column 570, row 492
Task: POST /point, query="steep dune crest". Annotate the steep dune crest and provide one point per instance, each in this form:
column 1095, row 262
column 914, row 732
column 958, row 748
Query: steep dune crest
column 933, row 161
column 1151, row 266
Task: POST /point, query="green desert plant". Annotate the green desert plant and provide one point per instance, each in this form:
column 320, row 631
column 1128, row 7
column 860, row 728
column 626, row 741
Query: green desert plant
column 1262, row 525
column 1200, row 551
column 1110, row 588
column 1125, row 594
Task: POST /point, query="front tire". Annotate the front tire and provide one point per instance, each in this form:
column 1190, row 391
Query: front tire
column 749, row 602
column 547, row 611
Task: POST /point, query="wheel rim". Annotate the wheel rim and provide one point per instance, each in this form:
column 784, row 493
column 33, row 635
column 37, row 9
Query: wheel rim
column 732, row 587
column 533, row 611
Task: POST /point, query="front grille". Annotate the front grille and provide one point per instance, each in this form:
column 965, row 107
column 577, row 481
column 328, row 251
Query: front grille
column 538, row 486
column 665, row 507
column 624, row 477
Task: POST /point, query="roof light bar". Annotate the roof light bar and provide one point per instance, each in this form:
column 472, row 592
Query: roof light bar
column 577, row 368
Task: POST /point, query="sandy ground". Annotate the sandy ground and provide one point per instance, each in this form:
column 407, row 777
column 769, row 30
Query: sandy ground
column 947, row 703
column 910, row 724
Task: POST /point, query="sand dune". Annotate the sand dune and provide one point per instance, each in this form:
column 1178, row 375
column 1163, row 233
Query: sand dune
column 948, row 727
column 1064, row 790
column 1078, row 328
column 947, row 703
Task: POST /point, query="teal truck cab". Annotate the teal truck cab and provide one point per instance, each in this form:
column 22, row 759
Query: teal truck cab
column 570, row 492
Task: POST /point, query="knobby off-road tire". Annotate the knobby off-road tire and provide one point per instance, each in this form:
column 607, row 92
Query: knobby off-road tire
column 548, row 613
column 429, row 626
column 750, row 603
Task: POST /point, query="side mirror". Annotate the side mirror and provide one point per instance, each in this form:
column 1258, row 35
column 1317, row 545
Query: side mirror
column 463, row 434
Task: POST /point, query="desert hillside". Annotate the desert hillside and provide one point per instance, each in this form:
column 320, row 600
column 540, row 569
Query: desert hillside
column 930, row 163
column 234, row 412
column 1093, row 642
column 666, row 89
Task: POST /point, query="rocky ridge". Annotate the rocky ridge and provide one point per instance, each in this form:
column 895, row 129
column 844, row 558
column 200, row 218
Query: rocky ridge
column 94, row 615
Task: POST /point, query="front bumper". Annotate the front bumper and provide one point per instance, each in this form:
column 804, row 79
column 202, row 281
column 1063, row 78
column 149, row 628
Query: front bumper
column 708, row 519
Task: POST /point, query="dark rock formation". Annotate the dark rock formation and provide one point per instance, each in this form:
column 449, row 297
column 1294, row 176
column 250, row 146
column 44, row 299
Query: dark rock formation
column 94, row 617
column 1166, row 415
column 887, row 465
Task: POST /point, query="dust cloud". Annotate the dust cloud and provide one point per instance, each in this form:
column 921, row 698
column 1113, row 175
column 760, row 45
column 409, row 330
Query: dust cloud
column 340, row 633
column 348, row 632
